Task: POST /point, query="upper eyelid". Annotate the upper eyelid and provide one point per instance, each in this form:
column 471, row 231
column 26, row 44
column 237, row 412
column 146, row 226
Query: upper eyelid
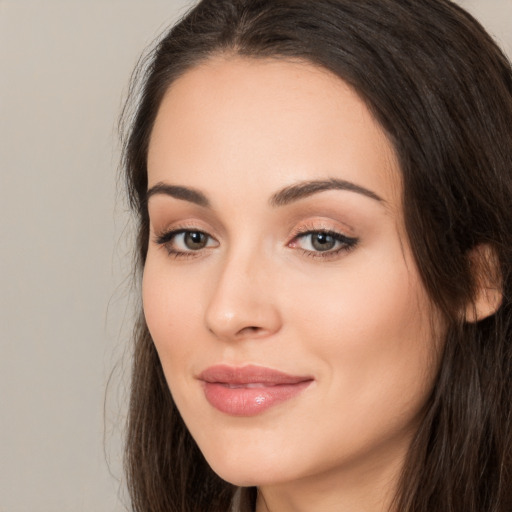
column 173, row 232
column 309, row 230
column 322, row 225
column 309, row 226
column 302, row 230
column 181, row 227
column 162, row 225
column 298, row 222
column 209, row 222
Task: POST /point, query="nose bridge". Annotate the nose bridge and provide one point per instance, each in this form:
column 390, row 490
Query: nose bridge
column 241, row 303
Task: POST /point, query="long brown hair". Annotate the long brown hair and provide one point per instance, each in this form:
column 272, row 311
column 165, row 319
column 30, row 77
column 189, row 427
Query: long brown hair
column 442, row 90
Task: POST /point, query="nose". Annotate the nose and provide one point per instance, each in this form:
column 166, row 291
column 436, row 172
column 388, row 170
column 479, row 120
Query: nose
column 242, row 303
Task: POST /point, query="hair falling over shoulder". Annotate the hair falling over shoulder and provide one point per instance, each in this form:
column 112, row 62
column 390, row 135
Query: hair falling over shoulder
column 442, row 91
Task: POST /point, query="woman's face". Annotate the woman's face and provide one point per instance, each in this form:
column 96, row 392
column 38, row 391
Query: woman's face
column 279, row 288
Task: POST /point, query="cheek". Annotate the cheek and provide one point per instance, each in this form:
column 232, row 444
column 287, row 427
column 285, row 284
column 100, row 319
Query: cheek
column 371, row 328
column 171, row 308
column 374, row 296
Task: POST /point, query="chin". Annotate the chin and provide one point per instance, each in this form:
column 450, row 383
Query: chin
column 246, row 477
column 249, row 471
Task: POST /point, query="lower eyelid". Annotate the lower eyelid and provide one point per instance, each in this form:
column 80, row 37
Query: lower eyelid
column 327, row 255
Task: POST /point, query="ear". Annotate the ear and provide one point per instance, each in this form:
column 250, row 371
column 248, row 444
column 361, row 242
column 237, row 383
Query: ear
column 486, row 274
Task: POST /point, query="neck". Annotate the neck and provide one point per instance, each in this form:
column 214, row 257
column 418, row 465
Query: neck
column 369, row 486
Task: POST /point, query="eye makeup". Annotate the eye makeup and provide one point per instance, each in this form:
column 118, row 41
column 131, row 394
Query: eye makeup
column 185, row 242
column 320, row 243
column 311, row 240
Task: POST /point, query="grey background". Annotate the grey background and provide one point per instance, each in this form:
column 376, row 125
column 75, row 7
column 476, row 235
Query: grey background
column 64, row 245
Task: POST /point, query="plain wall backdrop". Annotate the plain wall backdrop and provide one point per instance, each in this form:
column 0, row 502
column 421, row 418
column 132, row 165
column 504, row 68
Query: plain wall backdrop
column 65, row 250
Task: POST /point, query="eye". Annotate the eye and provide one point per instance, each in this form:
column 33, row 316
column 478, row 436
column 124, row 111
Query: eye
column 330, row 243
column 193, row 240
column 321, row 241
column 185, row 242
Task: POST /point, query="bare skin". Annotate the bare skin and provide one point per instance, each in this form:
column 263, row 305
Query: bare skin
column 318, row 282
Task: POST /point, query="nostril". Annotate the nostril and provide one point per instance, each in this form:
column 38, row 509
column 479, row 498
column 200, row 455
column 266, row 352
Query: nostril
column 250, row 329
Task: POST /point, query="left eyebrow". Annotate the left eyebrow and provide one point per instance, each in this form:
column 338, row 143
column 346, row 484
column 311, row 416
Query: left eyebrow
column 307, row 188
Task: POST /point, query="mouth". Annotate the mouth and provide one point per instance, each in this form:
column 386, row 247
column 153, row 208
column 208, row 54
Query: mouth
column 249, row 390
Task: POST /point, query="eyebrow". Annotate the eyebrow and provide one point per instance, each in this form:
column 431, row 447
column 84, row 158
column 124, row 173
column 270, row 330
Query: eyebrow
column 308, row 188
column 283, row 197
column 184, row 193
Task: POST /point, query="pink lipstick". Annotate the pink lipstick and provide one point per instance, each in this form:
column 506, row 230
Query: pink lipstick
column 249, row 390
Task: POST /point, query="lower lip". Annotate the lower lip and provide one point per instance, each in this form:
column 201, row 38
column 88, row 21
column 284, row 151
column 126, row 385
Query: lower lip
column 244, row 401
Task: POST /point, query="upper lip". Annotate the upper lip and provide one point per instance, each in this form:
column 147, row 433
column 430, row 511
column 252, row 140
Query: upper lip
column 249, row 374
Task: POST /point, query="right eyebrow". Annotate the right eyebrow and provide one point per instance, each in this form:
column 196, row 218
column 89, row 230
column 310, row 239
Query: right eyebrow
column 183, row 193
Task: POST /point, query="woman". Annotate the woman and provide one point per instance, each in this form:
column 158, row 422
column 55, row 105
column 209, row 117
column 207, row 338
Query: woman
column 323, row 192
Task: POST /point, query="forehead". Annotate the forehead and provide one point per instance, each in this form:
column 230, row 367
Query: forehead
column 266, row 123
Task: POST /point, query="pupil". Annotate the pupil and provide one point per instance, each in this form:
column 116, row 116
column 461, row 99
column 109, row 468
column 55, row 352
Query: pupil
column 323, row 242
column 195, row 240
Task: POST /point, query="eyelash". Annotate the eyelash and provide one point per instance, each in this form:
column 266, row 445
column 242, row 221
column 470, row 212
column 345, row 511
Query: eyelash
column 166, row 239
column 346, row 243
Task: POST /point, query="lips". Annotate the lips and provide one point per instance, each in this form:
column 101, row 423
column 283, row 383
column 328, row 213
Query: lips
column 249, row 390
